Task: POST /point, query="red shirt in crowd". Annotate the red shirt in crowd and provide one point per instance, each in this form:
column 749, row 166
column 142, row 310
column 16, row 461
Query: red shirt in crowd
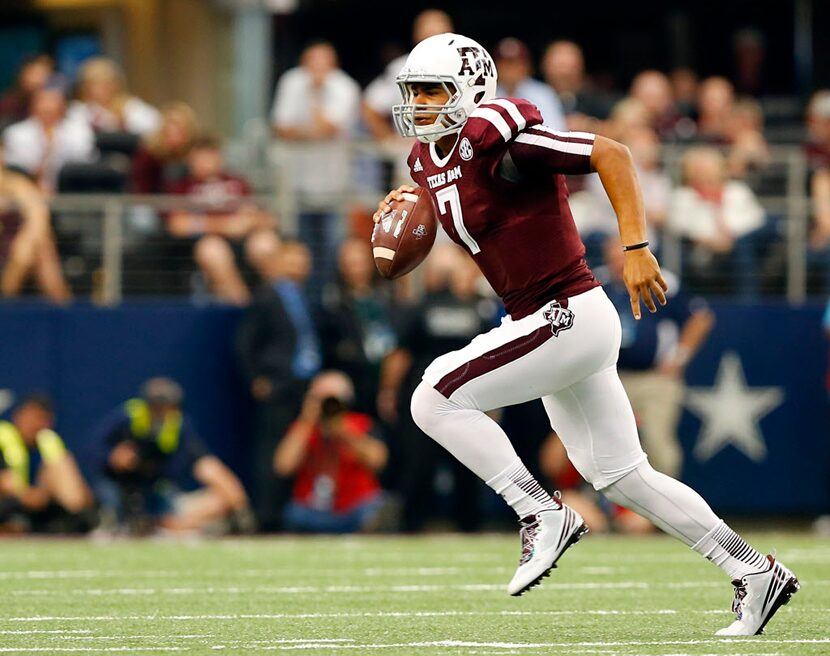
column 218, row 194
column 332, row 477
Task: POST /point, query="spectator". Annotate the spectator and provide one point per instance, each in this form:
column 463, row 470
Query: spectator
column 515, row 69
column 748, row 152
column 627, row 116
column 356, row 330
column 716, row 101
column 32, row 251
column 600, row 514
column 34, row 73
column 279, row 352
column 148, row 453
column 684, row 84
column 449, row 315
column 563, row 67
column 654, row 354
column 750, row 52
column 818, row 159
column 41, row 486
column 653, row 89
column 722, row 221
column 315, row 110
column 105, row 104
column 334, row 457
column 161, row 156
column 383, row 91
column 655, row 183
column 221, row 215
column 42, row 144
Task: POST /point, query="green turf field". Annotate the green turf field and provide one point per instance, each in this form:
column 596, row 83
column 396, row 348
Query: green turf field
column 432, row 595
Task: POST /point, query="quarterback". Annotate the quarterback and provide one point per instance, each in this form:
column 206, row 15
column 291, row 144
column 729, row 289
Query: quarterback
column 495, row 175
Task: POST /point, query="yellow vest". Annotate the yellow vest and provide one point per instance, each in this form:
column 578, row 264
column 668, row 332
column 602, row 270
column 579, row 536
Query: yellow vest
column 141, row 425
column 16, row 453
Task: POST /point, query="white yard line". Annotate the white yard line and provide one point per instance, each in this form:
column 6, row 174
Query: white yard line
column 44, row 631
column 253, row 573
column 370, row 614
column 310, row 589
column 86, row 650
column 316, row 644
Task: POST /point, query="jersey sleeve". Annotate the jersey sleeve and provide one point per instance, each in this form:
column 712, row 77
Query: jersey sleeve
column 500, row 121
column 540, row 150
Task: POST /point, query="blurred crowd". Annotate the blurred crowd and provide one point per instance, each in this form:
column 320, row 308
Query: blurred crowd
column 331, row 353
column 703, row 148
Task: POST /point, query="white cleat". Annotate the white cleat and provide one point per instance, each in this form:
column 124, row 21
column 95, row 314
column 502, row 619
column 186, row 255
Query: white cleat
column 545, row 537
column 758, row 596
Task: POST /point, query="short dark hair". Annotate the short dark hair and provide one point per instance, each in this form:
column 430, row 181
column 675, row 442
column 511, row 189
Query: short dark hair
column 38, row 399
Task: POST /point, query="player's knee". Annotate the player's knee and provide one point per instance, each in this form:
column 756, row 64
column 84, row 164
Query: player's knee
column 426, row 407
column 620, row 491
column 212, row 253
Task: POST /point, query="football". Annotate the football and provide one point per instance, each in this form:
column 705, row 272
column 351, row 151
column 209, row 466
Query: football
column 404, row 236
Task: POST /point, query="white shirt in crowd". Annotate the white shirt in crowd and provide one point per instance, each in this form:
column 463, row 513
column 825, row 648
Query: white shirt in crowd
column 320, row 169
column 545, row 99
column 26, row 146
column 383, row 91
column 139, row 117
column 739, row 213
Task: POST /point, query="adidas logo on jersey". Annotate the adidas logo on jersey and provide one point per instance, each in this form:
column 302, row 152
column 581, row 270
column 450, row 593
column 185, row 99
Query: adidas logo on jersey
column 418, row 167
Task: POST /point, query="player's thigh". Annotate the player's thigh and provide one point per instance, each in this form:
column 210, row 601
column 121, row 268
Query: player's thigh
column 537, row 355
column 594, row 420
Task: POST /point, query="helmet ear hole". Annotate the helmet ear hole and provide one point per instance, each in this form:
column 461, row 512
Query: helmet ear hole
column 478, row 97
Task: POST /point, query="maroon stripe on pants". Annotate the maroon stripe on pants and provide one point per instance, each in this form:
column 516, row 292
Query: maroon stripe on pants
column 492, row 360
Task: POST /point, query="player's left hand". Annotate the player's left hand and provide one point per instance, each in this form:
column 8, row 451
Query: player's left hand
column 642, row 277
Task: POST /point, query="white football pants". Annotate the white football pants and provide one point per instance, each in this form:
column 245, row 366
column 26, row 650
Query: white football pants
column 566, row 355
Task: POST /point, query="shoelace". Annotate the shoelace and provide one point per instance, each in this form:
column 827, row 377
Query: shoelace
column 740, row 593
column 528, row 537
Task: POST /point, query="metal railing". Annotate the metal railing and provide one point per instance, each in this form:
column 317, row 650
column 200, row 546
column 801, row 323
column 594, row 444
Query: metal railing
column 109, row 228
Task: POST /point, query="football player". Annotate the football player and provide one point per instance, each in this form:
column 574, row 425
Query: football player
column 495, row 175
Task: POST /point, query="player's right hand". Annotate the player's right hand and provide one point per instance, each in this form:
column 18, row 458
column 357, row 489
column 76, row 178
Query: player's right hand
column 395, row 194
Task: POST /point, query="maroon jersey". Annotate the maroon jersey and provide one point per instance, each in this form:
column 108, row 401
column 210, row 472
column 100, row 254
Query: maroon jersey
column 501, row 195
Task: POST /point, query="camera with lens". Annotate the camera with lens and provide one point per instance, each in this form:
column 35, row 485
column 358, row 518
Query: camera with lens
column 331, row 407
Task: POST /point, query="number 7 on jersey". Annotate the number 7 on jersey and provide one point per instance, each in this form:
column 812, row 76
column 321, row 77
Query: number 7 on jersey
column 449, row 196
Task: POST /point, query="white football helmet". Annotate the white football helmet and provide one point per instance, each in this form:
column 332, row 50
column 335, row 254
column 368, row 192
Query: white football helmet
column 459, row 64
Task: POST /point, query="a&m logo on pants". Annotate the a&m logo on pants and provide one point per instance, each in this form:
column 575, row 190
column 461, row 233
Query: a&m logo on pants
column 559, row 318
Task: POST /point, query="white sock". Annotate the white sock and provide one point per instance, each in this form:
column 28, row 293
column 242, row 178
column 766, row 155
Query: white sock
column 730, row 552
column 482, row 446
column 521, row 491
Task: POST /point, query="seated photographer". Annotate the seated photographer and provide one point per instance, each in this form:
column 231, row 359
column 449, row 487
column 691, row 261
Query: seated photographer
column 150, row 452
column 334, row 458
column 41, row 487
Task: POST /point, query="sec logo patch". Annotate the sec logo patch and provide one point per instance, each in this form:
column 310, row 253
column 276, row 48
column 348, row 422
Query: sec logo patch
column 465, row 149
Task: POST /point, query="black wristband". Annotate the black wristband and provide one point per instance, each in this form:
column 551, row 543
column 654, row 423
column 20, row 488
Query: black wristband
column 634, row 247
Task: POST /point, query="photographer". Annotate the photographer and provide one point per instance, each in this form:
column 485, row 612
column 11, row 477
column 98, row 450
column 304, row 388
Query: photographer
column 334, row 458
column 150, row 452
